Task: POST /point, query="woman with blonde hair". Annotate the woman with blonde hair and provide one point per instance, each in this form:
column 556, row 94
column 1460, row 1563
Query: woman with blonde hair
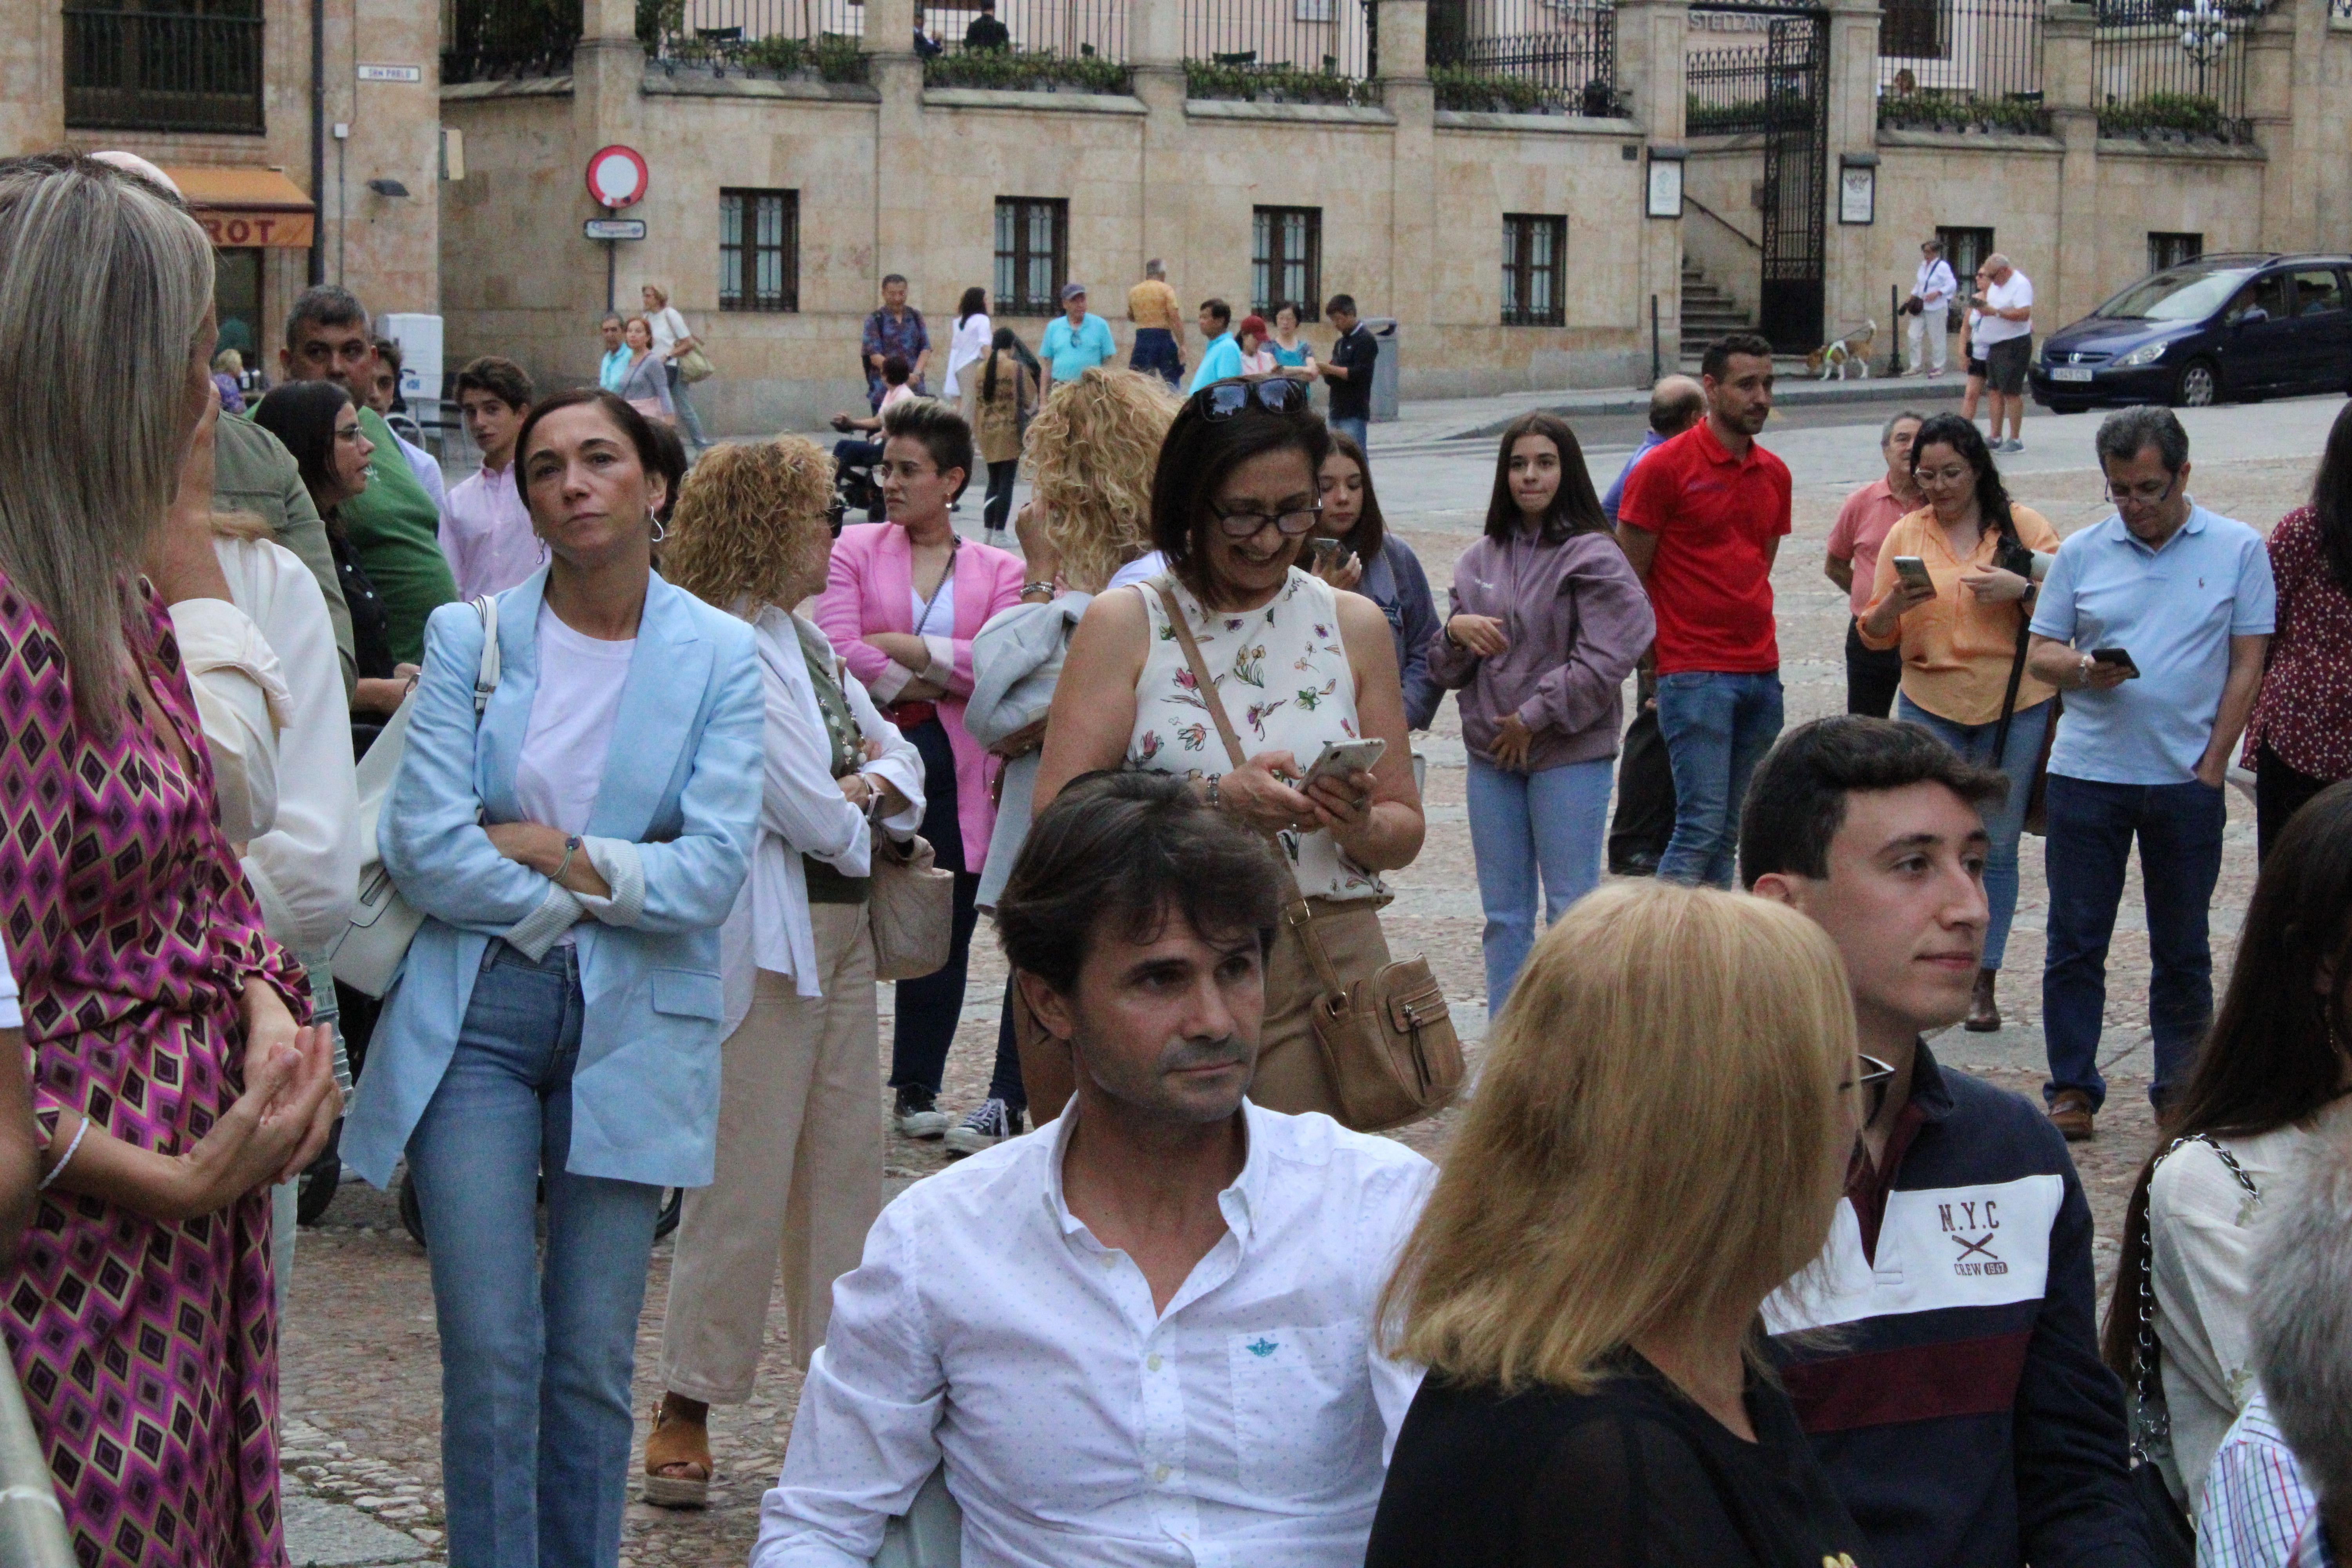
column 1658, row 1142
column 798, row 1166
column 1087, row 529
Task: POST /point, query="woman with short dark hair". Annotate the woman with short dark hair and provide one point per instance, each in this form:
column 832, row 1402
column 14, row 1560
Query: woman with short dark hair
column 2300, row 738
column 1295, row 666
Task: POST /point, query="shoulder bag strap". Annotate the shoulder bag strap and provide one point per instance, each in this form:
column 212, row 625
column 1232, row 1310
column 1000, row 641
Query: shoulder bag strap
column 2154, row 1420
column 1295, row 907
column 486, row 679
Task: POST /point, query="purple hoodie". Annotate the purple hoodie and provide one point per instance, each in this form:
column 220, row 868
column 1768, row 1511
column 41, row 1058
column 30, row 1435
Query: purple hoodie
column 1578, row 620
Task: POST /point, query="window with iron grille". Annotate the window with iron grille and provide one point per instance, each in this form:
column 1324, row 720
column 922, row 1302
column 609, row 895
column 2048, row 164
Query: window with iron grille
column 1286, row 260
column 1915, row 29
column 1965, row 249
column 1532, row 248
column 1032, row 236
column 759, row 250
column 2172, row 249
column 194, row 66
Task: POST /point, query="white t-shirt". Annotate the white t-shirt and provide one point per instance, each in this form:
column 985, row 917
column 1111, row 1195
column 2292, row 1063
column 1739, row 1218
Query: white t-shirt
column 2015, row 294
column 562, row 761
column 666, row 326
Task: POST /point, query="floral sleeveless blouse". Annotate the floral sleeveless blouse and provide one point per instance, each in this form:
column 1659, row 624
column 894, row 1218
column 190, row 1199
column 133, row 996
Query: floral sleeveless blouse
column 1282, row 673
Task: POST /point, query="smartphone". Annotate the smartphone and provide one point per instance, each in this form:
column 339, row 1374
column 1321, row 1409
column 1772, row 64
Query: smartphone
column 1322, row 553
column 2116, row 655
column 1343, row 757
column 1912, row 569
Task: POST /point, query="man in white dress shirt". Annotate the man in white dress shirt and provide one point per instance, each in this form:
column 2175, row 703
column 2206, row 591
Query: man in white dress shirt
column 1933, row 290
column 1142, row 1333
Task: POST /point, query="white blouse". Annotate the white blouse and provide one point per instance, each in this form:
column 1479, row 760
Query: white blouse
column 969, row 346
column 1282, row 672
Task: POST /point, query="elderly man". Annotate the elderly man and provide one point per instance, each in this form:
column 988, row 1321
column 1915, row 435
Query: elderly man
column 1144, row 1334
column 2155, row 624
column 2004, row 337
column 896, row 329
column 1872, row 675
column 1076, row 342
column 1158, row 322
column 1932, row 292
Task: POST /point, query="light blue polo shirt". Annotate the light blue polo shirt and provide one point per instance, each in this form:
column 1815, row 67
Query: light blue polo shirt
column 1072, row 355
column 2174, row 610
column 1220, row 361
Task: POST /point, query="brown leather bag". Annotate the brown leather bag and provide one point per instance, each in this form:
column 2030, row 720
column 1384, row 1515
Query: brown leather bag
column 1386, row 1033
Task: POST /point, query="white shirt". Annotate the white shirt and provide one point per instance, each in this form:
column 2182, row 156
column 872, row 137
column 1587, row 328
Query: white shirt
column 802, row 812
column 428, row 470
column 242, row 704
column 1248, row 1425
column 667, row 327
column 1936, row 284
column 2015, row 294
column 486, row 533
column 968, row 346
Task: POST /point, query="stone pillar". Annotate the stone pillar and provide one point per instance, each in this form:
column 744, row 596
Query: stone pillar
column 608, row 73
column 2069, row 89
column 1856, row 258
column 2283, row 91
column 901, row 243
column 1155, row 31
column 1406, row 92
column 1651, row 38
column 32, row 86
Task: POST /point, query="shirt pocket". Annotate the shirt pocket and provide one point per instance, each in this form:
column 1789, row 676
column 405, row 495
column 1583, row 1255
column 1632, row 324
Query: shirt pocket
column 1300, row 1396
column 688, row 993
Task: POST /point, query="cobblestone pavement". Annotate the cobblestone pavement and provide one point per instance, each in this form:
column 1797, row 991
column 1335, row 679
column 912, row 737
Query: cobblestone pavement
column 361, row 1376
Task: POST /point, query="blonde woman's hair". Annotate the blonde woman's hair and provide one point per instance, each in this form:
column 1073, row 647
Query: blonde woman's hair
column 228, row 361
column 1091, row 452
column 91, row 443
column 658, row 291
column 1658, row 1132
column 750, row 523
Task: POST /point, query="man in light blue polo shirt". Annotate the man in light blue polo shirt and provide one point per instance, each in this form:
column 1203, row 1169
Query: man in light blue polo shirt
column 614, row 368
column 1221, row 359
column 1076, row 340
column 2179, row 601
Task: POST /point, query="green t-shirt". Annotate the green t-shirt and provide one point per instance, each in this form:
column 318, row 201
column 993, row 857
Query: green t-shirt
column 395, row 531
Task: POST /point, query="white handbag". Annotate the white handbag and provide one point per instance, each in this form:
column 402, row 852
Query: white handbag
column 368, row 955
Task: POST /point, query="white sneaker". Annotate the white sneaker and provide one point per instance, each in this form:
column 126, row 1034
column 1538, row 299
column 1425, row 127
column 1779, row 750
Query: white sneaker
column 985, row 1128
column 2012, row 445
column 916, row 1114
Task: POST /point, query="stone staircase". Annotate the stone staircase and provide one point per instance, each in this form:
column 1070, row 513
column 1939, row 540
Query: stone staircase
column 1708, row 311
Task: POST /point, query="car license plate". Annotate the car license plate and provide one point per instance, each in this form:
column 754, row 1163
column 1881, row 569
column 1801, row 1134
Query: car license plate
column 2070, row 373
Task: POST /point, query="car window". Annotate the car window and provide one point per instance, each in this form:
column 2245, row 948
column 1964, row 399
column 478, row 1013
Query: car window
column 2318, row 291
column 2266, row 293
column 2175, row 295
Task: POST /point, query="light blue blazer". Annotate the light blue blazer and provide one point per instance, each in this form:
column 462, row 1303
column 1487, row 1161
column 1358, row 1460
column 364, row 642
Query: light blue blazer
column 677, row 810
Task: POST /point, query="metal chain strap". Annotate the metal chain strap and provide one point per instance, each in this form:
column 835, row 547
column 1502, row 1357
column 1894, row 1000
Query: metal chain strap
column 2151, row 1420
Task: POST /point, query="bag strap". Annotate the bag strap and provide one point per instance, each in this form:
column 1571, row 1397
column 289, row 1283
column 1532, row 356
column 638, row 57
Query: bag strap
column 1295, row 907
column 486, row 679
column 2154, row 1422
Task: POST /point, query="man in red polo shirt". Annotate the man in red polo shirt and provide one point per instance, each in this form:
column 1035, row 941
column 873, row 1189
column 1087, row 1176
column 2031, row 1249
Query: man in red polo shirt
column 1701, row 521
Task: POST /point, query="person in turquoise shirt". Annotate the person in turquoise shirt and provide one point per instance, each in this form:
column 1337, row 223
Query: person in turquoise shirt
column 1222, row 360
column 1076, row 341
column 614, row 368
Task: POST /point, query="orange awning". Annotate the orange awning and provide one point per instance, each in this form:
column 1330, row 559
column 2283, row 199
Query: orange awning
column 244, row 207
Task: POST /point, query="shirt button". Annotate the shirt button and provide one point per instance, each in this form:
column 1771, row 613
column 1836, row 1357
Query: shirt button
column 1153, row 1363
column 1160, row 1475
column 1110, row 1260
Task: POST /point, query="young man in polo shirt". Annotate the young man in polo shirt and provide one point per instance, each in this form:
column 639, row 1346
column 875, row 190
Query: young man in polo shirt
column 2143, row 746
column 1959, row 1402
column 1701, row 520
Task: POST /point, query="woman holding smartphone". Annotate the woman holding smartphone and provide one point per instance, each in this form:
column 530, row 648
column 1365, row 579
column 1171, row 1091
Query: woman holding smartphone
column 1549, row 620
column 1952, row 592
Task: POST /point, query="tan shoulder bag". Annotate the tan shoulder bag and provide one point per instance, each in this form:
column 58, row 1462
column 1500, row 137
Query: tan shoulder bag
column 1386, row 1034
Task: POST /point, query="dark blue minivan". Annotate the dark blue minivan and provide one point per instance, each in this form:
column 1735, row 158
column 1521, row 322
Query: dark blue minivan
column 2243, row 325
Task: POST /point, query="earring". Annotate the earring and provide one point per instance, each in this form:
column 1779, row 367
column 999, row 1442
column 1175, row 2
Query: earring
column 660, row 532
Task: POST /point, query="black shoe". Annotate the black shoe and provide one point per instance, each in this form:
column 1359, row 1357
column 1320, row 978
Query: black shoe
column 1635, row 866
column 985, row 1128
column 918, row 1114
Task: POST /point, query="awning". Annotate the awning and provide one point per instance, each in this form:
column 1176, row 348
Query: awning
column 244, row 207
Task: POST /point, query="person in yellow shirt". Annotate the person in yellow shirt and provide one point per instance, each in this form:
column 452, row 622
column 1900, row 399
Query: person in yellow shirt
column 1159, row 325
column 1961, row 628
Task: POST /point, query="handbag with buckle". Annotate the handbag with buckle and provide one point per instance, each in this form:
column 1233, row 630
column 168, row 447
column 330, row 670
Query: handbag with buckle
column 911, row 909
column 1386, row 1034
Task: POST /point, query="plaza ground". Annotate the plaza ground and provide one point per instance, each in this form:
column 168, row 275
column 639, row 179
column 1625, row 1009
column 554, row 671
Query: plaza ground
column 360, row 1372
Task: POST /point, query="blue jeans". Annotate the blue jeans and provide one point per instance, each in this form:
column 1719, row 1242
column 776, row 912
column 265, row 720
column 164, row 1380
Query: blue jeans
column 535, row 1357
column 1156, row 354
column 2091, row 830
column 687, row 417
column 1554, row 820
column 1343, row 425
column 2003, row 822
column 1718, row 728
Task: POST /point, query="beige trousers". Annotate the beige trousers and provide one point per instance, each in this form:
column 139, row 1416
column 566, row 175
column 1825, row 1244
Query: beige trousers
column 799, row 1170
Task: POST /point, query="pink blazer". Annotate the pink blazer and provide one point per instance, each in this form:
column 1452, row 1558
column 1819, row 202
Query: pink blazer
column 868, row 591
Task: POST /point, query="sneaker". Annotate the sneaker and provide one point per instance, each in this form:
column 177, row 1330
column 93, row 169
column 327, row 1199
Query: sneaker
column 2071, row 1113
column 992, row 1124
column 918, row 1114
column 2012, row 445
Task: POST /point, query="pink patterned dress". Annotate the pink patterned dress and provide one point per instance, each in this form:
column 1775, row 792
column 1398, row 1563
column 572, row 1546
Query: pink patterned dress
column 147, row 1349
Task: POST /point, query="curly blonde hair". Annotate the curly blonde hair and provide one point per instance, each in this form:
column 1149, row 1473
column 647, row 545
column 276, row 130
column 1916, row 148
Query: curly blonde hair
column 750, row 522
column 1090, row 455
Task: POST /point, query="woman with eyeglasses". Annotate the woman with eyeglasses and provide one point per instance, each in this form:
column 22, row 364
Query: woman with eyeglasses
column 902, row 603
column 1548, row 621
column 1296, row 664
column 1960, row 622
column 2300, row 738
column 798, row 1167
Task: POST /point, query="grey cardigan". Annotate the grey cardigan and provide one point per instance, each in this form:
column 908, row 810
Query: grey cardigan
column 1015, row 661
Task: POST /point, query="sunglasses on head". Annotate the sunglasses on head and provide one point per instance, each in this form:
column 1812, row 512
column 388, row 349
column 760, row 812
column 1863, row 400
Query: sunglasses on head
column 835, row 513
column 1225, row 399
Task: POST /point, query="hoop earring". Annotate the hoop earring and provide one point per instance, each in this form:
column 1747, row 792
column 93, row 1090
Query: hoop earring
column 661, row 530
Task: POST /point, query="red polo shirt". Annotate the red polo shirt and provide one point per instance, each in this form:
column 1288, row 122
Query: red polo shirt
column 1715, row 517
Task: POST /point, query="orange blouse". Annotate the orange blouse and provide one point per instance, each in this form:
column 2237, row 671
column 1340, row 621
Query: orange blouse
column 1957, row 651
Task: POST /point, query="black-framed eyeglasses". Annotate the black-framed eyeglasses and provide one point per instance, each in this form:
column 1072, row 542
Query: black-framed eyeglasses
column 2146, row 493
column 1225, row 399
column 835, row 513
column 1250, row 523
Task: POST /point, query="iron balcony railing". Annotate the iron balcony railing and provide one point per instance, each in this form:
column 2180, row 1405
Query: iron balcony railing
column 148, row 71
column 1525, row 55
column 1961, row 65
column 2157, row 78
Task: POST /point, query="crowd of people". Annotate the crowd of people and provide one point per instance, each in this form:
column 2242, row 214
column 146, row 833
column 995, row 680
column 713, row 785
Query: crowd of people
column 667, row 767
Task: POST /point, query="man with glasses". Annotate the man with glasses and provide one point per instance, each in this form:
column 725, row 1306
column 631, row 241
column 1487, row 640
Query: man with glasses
column 2155, row 624
column 1958, row 1403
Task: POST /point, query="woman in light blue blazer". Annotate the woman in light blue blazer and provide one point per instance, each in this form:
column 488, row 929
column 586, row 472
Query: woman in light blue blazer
column 557, row 1019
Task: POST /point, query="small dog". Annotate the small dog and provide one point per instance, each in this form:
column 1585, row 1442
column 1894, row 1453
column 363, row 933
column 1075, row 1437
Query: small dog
column 1842, row 354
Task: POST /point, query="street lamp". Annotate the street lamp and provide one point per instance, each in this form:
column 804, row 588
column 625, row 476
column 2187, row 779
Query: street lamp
column 2204, row 36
